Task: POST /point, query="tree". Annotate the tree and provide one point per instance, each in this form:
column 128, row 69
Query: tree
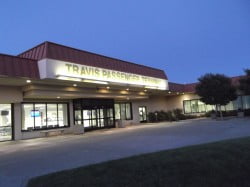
column 216, row 89
column 245, row 83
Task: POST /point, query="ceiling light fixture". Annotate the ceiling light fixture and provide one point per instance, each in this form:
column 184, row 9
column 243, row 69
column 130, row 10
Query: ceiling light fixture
column 94, row 81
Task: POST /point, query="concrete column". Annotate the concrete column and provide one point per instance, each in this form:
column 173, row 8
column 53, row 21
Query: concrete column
column 17, row 121
column 76, row 129
column 71, row 114
column 135, row 110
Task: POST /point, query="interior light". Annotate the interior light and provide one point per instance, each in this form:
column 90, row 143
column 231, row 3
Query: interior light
column 68, row 78
column 58, row 97
column 145, row 90
column 95, row 82
column 127, row 89
column 75, row 85
column 151, row 87
column 108, row 87
column 169, row 92
column 28, row 81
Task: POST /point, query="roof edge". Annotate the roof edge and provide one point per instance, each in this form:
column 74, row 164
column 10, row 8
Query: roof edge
column 2, row 54
column 80, row 50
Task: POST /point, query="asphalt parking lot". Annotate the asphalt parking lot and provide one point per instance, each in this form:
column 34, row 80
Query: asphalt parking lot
column 21, row 160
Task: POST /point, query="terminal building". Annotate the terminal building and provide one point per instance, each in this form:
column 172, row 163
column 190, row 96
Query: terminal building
column 54, row 89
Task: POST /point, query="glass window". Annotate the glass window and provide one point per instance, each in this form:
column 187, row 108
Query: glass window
column 101, row 113
column 194, row 106
column 28, row 114
column 232, row 105
column 117, row 111
column 86, row 114
column 187, row 107
column 86, row 118
column 5, row 122
column 239, row 102
column 39, row 113
column 209, row 108
column 223, row 108
column 110, row 113
column 62, row 115
column 123, row 111
column 44, row 115
column 128, row 111
column 197, row 106
column 78, row 117
column 52, row 120
column 246, row 101
column 201, row 106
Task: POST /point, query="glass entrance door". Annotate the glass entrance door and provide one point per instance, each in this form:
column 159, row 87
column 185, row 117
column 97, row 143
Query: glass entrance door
column 143, row 114
column 5, row 122
column 94, row 113
column 98, row 118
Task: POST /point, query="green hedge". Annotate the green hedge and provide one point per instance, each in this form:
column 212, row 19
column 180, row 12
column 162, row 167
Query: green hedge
column 172, row 115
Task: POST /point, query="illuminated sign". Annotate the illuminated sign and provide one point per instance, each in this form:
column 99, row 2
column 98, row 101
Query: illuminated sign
column 75, row 72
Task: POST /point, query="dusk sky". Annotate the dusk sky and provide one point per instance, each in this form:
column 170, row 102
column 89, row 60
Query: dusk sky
column 185, row 38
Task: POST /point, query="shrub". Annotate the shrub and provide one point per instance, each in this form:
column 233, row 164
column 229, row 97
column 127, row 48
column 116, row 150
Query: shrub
column 179, row 114
column 229, row 113
column 151, row 117
column 247, row 112
column 191, row 116
column 171, row 116
column 162, row 116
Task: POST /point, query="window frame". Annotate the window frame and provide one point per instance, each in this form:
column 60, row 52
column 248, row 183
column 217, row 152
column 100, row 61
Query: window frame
column 12, row 122
column 131, row 110
column 239, row 101
column 194, row 112
column 46, row 103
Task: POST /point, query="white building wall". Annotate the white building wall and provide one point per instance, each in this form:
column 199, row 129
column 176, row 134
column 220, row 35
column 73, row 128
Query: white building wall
column 158, row 103
column 10, row 94
column 17, row 121
column 154, row 103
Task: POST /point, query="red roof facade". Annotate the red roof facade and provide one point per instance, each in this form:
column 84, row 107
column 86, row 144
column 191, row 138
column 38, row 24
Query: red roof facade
column 12, row 66
column 25, row 64
column 59, row 52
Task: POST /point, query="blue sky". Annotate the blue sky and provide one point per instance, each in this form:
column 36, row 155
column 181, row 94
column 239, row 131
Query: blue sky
column 184, row 38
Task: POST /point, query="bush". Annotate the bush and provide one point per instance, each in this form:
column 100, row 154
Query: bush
column 224, row 113
column 171, row 116
column 192, row 116
column 247, row 112
column 179, row 114
column 228, row 113
column 151, row 117
column 162, row 116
